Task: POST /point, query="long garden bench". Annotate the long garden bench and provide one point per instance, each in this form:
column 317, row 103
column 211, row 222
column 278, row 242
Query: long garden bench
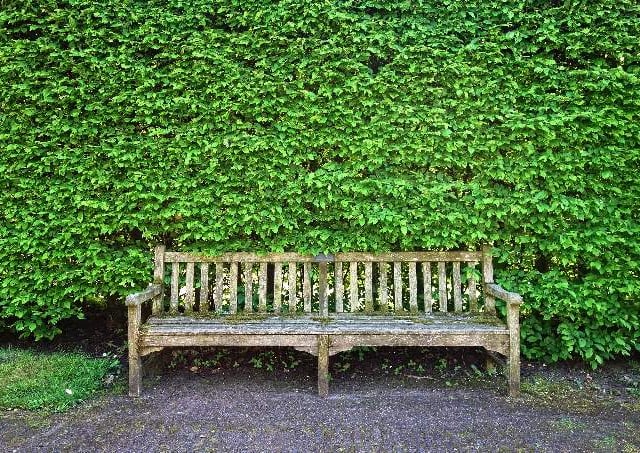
column 323, row 305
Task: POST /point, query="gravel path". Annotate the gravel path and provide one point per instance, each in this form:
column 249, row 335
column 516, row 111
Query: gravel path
column 251, row 410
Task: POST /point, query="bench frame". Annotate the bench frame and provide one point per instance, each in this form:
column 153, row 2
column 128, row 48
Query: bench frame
column 321, row 343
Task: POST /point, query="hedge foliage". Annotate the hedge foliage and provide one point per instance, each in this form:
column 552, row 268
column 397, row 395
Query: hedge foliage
column 325, row 125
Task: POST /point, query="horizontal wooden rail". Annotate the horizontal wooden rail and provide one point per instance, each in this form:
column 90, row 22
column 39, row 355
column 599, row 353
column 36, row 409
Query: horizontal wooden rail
column 143, row 296
column 497, row 291
column 241, row 257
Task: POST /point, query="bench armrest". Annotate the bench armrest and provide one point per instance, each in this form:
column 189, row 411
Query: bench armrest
column 495, row 290
column 143, row 296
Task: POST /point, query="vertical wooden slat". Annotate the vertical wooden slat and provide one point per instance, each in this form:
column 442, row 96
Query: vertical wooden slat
column 158, row 278
column 487, row 271
column 262, row 294
column 397, row 286
column 426, row 282
column 219, row 287
column 233, row 288
column 293, row 297
column 457, row 287
column 442, row 285
column 353, row 286
column 306, row 286
column 413, row 288
column 473, row 293
column 277, row 287
column 204, row 288
column 175, row 287
column 384, row 296
column 322, row 290
column 189, row 297
column 368, row 287
column 339, row 284
column 248, row 287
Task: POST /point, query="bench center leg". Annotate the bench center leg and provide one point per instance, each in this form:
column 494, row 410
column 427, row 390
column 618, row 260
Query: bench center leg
column 323, row 365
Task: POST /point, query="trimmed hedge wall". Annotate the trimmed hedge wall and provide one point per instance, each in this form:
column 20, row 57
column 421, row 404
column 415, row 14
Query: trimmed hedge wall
column 326, row 125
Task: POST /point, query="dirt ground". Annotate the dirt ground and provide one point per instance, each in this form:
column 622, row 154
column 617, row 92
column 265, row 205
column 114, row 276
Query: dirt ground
column 388, row 399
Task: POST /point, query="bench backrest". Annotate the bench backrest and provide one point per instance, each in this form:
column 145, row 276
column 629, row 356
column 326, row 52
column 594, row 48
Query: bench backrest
column 291, row 283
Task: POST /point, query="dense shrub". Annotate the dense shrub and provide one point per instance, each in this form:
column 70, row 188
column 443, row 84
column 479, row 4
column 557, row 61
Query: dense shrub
column 325, row 125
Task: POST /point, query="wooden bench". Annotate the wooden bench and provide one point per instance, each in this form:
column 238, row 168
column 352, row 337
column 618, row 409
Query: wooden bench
column 323, row 305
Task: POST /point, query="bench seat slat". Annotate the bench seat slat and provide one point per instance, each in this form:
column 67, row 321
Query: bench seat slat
column 349, row 325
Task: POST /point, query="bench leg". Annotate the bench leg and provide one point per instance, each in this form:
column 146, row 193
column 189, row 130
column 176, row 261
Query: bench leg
column 514, row 371
column 513, row 321
column 135, row 375
column 323, row 365
column 135, row 363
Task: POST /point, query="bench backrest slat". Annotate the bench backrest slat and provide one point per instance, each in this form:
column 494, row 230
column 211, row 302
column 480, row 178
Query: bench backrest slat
column 426, row 287
column 442, row 285
column 290, row 283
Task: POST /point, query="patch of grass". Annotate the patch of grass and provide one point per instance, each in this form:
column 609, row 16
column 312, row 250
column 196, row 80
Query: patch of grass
column 560, row 394
column 50, row 382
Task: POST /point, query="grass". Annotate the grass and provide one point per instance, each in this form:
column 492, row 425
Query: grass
column 50, row 381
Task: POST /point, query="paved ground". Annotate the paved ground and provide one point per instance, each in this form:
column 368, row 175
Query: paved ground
column 246, row 409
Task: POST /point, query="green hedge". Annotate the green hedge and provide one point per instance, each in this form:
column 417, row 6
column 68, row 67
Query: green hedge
column 325, row 125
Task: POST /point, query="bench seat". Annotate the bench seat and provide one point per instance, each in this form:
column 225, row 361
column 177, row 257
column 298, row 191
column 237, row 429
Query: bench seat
column 323, row 305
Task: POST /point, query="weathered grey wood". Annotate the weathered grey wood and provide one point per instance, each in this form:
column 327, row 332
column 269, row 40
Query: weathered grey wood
column 158, row 278
column 218, row 302
column 353, row 286
column 384, row 293
column 248, row 287
column 144, row 295
column 135, row 363
column 204, row 288
column 189, row 296
column 498, row 343
column 397, row 286
column 322, row 335
column 240, row 257
column 277, row 287
column 409, row 256
column 413, row 288
column 228, row 339
column 513, row 322
column 487, row 271
column 495, row 290
column 182, row 257
column 473, row 292
column 457, row 288
column 368, row 286
column 442, row 286
column 175, row 288
column 262, row 290
column 306, row 286
column 233, row 288
column 426, row 284
column 347, row 324
column 323, row 365
column 293, row 288
column 339, row 286
column 322, row 290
